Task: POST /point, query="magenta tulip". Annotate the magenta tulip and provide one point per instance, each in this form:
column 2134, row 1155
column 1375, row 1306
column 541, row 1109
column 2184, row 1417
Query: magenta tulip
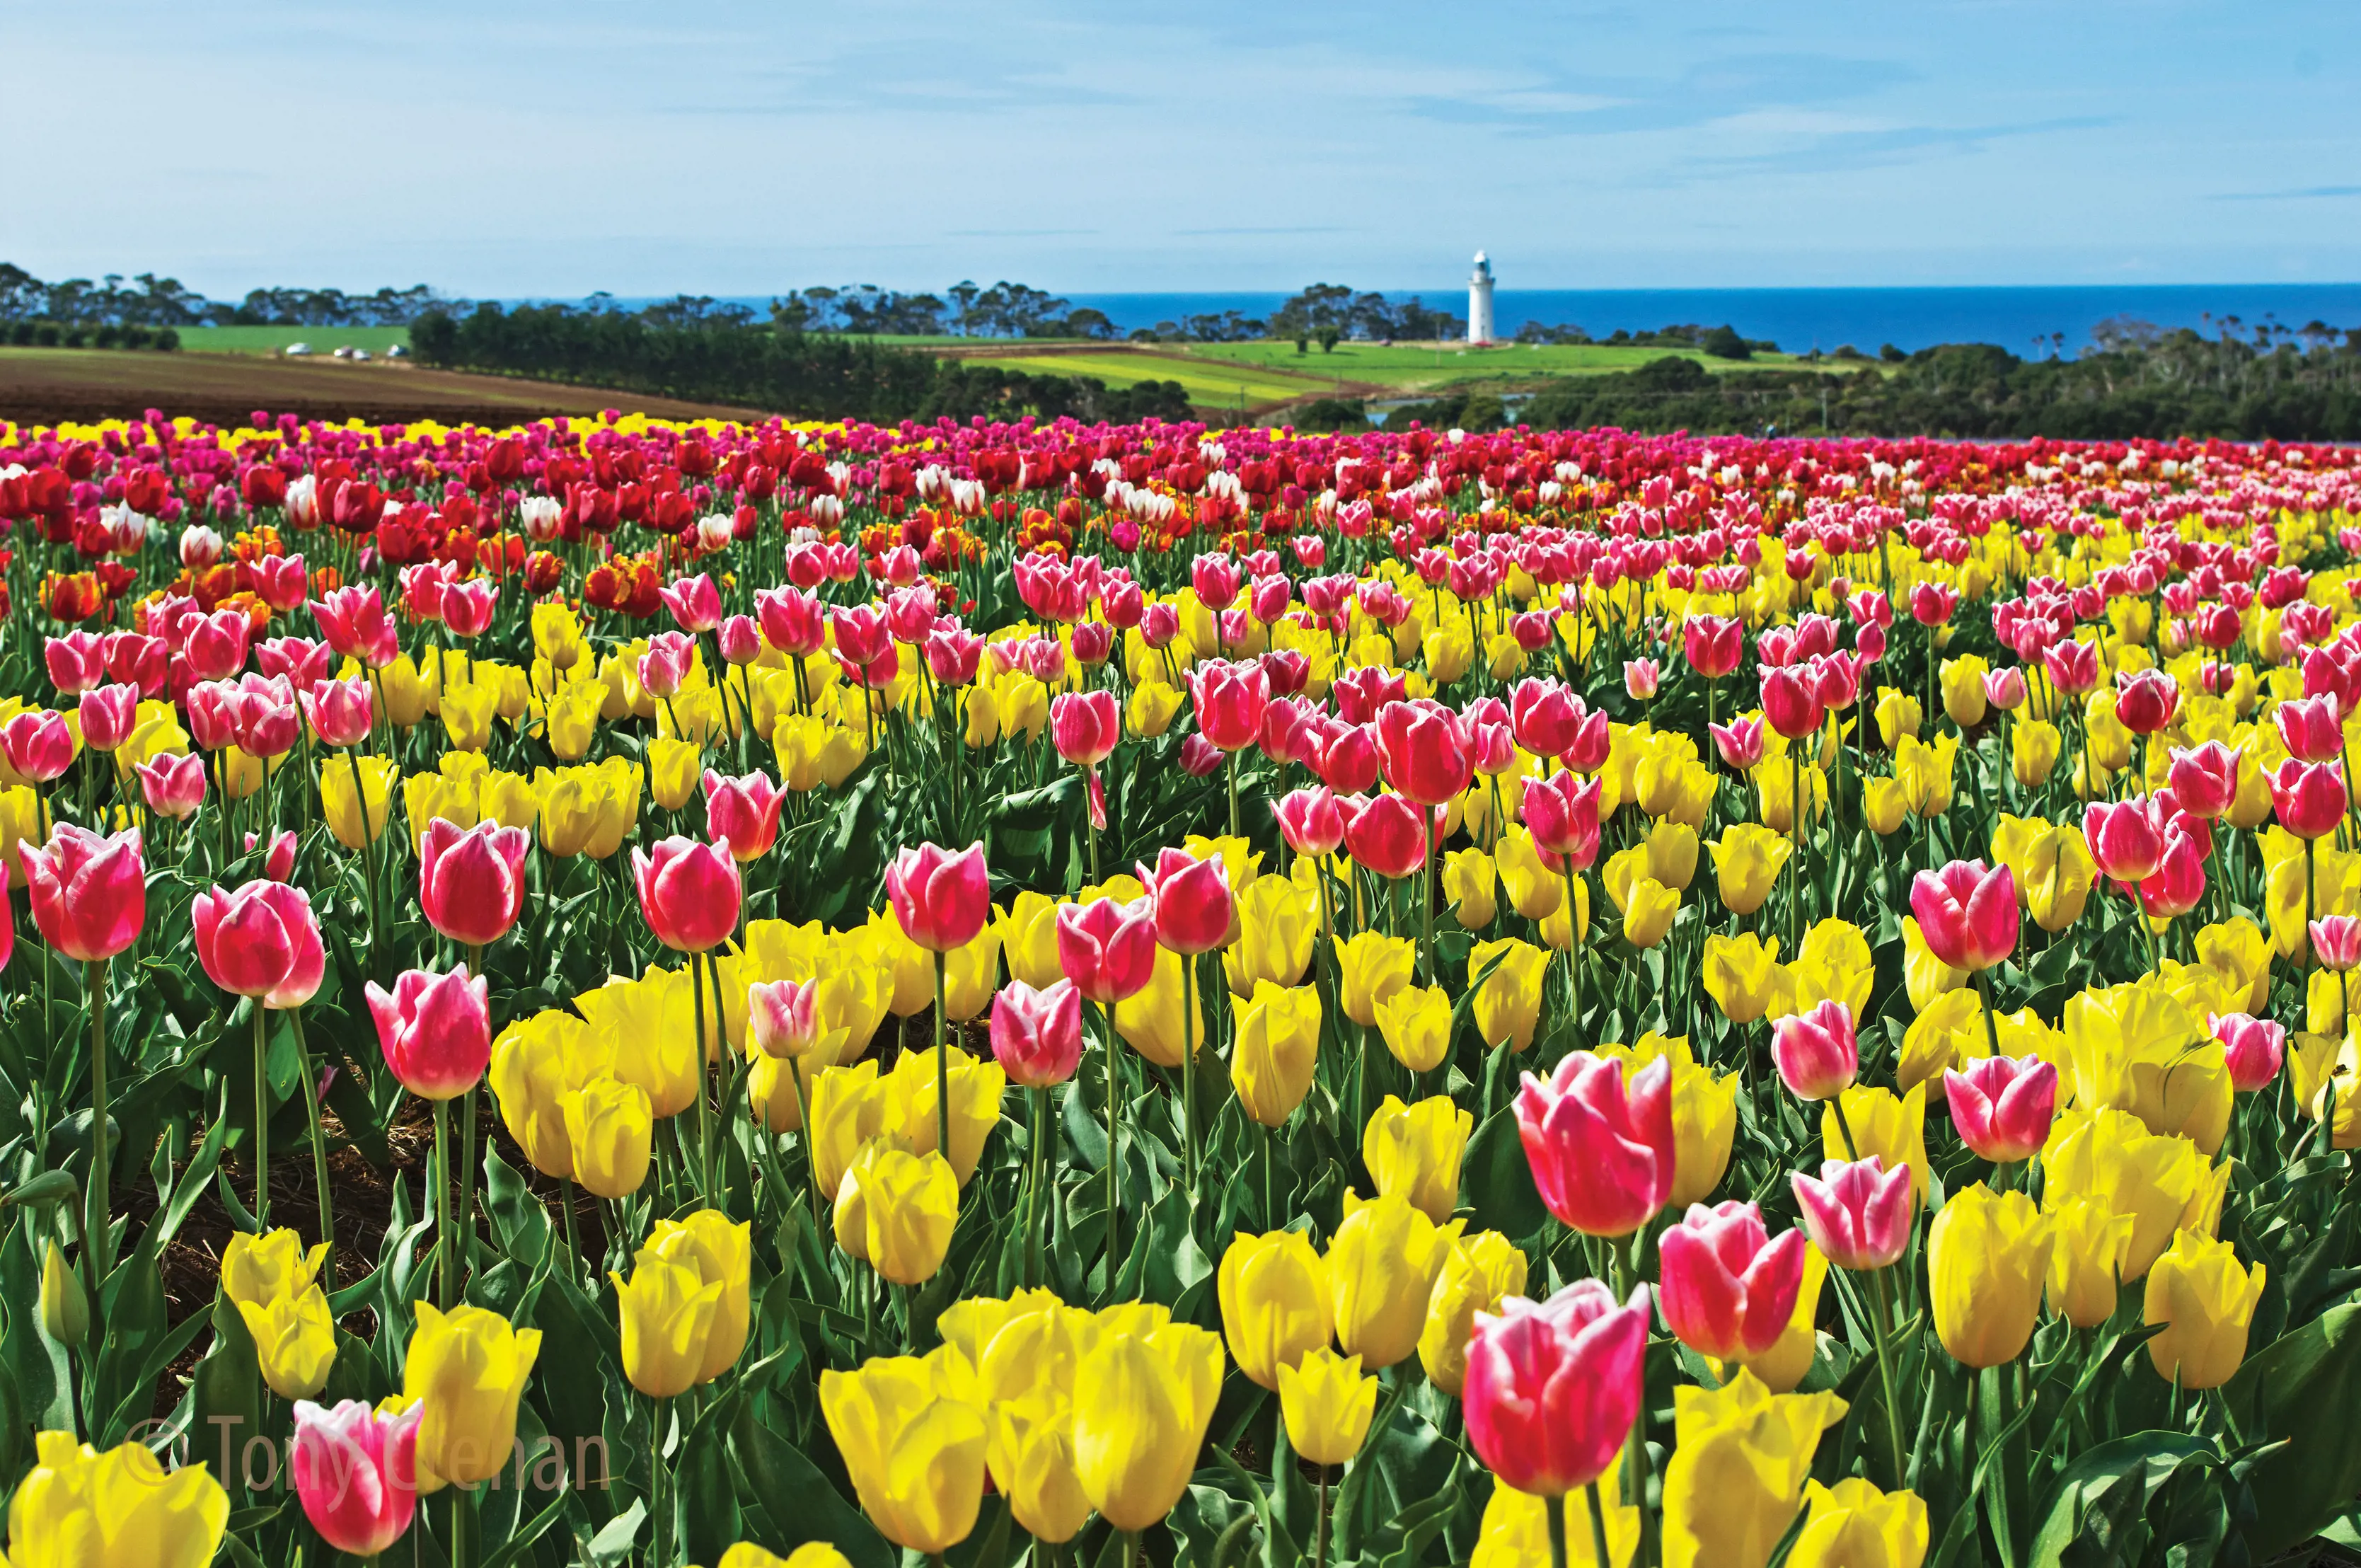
column 262, row 940
column 436, row 1030
column 1107, row 948
column 1553, row 1386
column 1229, row 699
column 39, row 744
column 1858, row 1214
column 941, row 899
column 2252, row 1048
column 2002, row 1105
column 1816, row 1053
column 173, row 785
column 1310, row 821
column 1562, row 813
column 1085, row 726
column 2309, row 797
column 689, row 892
column 1968, row 915
column 743, row 811
column 356, row 1473
column 1728, row 1289
column 89, row 890
column 472, row 879
column 1423, row 749
column 1383, row 835
column 1195, row 911
column 1036, row 1035
column 1601, row 1150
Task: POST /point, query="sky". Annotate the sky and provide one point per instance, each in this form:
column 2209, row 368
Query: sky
column 750, row 147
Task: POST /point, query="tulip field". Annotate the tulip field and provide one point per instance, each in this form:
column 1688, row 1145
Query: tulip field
column 617, row 992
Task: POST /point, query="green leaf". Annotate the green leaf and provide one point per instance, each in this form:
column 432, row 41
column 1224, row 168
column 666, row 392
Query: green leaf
column 802, row 1504
column 2146, row 1461
column 613, row 1544
column 2303, row 1388
column 705, row 1504
column 1498, row 1181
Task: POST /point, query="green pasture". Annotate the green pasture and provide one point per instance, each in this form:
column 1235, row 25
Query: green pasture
column 325, row 340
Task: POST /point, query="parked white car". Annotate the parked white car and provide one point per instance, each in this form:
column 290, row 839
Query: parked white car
column 297, row 351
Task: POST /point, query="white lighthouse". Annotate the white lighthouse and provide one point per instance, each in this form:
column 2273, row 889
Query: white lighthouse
column 1480, row 302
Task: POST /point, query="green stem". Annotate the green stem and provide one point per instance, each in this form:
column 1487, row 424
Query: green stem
column 942, row 1056
column 1114, row 1145
column 1885, row 1373
column 446, row 1269
column 811, row 1165
column 1554, row 1508
column 262, row 1120
column 703, row 1113
column 319, row 1146
column 1597, row 1529
column 1189, row 1072
column 98, row 1232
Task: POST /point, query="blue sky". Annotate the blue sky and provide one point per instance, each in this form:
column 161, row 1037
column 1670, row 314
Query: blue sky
column 744, row 148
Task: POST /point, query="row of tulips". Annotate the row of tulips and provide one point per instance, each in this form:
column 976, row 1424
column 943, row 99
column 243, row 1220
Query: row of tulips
column 794, row 1188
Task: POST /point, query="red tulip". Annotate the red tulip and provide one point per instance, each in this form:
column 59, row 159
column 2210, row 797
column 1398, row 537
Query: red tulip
column 941, row 899
column 76, row 662
column 1858, row 1214
column 356, row 1472
column 2124, row 840
column 2309, row 797
column 435, row 1031
column 1383, row 834
column 2002, row 1105
column 262, row 940
column 2309, row 728
column 1553, row 1387
column 2205, row 778
column 1311, row 822
column 1713, row 644
column 689, row 892
column 1601, row 1150
column 1194, row 909
column 745, row 811
column 2253, row 1049
column 1229, row 699
column 173, row 785
column 1816, row 1053
column 1968, row 915
column 2145, row 700
column 1036, row 1035
column 1728, row 1289
column 2074, row 666
column 468, row 607
column 1347, row 762
column 793, row 621
column 1107, row 948
column 1791, row 701
column 1545, row 716
column 89, row 890
column 2178, row 880
column 39, row 744
column 1739, row 743
column 1423, row 749
column 1561, row 812
column 472, row 879
column 1085, row 726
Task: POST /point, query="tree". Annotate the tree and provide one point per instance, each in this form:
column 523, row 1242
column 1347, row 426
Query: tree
column 1723, row 343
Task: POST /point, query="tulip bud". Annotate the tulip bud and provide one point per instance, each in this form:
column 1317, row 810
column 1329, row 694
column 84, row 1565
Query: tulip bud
column 65, row 1311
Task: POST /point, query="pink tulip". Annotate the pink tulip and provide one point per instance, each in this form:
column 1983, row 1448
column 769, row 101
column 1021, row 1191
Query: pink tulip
column 662, row 669
column 277, row 856
column 1739, row 743
column 1229, row 699
column 1791, row 701
column 793, row 621
column 1712, row 645
column 1347, row 762
column 2336, row 941
column 953, row 654
column 304, row 662
column 216, row 645
column 910, row 613
column 783, row 1017
column 356, row 1473
column 2178, row 880
column 1553, row 1387
column 341, row 712
column 1036, row 1035
column 1310, row 821
column 472, row 879
column 76, row 662
column 215, row 709
column 2205, row 778
column 740, row 639
column 2005, row 688
column 2145, row 700
column 1931, row 604
column 1562, row 813
column 1195, row 912
column 107, row 715
column 1107, row 948
column 689, row 892
column 1968, row 915
column 1641, row 678
column 2252, row 1047
column 1857, row 1213
column 280, row 581
column 268, row 723
column 1085, row 726
column 89, row 890
column 137, row 660
column 1423, row 749
column 422, row 588
column 1816, row 1053
column 2073, row 667
column 745, row 811
column 1545, row 716
column 436, row 1030
column 173, row 785
column 39, row 744
column 1728, row 1288
column 2309, row 728
column 1160, row 624
column 468, row 607
column 356, row 625
column 262, row 940
column 2308, row 797
column 694, row 603
column 941, row 899
column 1216, row 579
column 1200, row 758
column 1601, row 1150
column 2002, row 1105
column 1383, row 835
column 2127, row 842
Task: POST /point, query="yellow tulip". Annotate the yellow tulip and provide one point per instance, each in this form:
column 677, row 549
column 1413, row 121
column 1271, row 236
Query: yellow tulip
column 1893, row 1129
column 674, row 767
column 1277, row 1046
column 610, row 1130
column 1515, row 1529
column 469, row 1368
column 1508, row 1004
column 1897, row 714
column 1415, row 1021
column 895, row 1212
column 1277, row 920
column 1152, row 709
column 1925, row 977
column 1854, row 1525
column 1534, row 891
column 2086, row 1261
column 2205, row 1301
column 2052, row 865
column 258, row 1270
column 467, row 714
column 1833, row 963
column 1741, row 1456
column 2321, row 1074
column 1381, row 1265
column 343, row 804
column 667, row 1314
column 1155, row 1023
column 2237, row 950
column 648, row 1032
column 2034, row 746
column 1373, row 965
column 1947, row 1034
column 1142, row 1402
column 402, row 692
column 80, row 1508
column 1032, row 1460
column 1884, row 805
column 1275, row 1308
column 1327, row 1405
column 916, row 1456
column 1478, row 1273
column 558, row 634
column 1742, row 974
column 537, row 1062
column 1028, row 935
column 1747, row 860
column 1774, row 789
column 295, row 1340
column 813, row 751
column 976, row 1085
column 1414, row 1152
column 1470, row 883
column 1987, row 1258
column 2164, row 1184
column 65, row 1307
column 588, row 810
column 1963, row 690
column 1923, row 773
column 849, row 1108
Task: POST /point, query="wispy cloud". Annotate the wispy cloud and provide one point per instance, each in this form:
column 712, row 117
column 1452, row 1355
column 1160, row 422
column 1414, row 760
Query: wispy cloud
column 2307, row 193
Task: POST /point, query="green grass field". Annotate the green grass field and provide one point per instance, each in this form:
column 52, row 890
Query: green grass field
column 1408, row 366
column 324, row 340
column 1208, row 383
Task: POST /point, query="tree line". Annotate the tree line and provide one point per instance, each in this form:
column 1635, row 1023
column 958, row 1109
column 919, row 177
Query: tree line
column 726, row 359
column 148, row 301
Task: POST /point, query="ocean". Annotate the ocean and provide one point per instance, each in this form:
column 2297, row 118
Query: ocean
column 1802, row 319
